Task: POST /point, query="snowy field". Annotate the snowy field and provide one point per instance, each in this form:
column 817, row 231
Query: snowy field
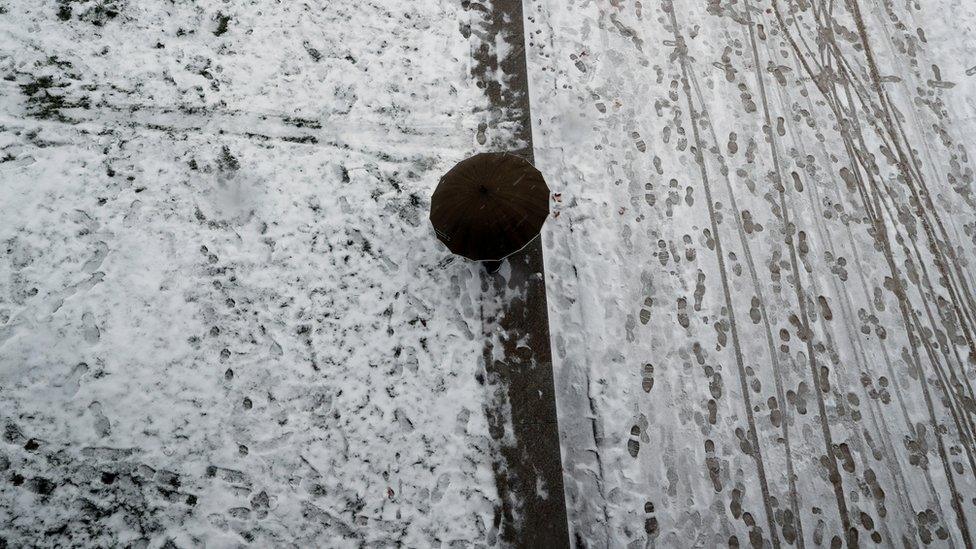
column 225, row 321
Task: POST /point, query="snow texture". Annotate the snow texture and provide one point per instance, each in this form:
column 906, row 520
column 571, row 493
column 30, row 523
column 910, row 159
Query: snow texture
column 760, row 275
column 224, row 319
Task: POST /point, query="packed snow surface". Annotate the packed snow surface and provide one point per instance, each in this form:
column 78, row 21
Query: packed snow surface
column 761, row 284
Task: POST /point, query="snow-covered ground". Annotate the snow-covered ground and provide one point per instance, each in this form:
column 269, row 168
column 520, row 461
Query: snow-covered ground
column 223, row 316
column 760, row 286
column 225, row 321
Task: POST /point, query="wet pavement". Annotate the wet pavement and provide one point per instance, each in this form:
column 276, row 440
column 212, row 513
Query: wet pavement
column 517, row 353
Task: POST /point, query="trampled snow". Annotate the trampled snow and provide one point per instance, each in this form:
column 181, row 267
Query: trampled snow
column 760, row 280
column 224, row 318
column 225, row 321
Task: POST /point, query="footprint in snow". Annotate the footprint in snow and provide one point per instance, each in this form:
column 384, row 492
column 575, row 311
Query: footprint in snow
column 482, row 136
column 633, row 445
column 647, row 381
column 645, row 312
column 101, row 424
column 638, row 142
column 443, row 482
column 650, row 521
column 89, row 329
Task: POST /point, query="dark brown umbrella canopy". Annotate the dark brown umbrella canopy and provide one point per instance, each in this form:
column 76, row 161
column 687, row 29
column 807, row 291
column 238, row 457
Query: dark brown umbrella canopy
column 489, row 206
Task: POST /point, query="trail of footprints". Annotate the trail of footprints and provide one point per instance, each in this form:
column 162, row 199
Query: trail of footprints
column 824, row 268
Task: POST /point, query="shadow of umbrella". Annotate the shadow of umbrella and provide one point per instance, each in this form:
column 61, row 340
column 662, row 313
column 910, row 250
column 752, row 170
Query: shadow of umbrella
column 489, row 206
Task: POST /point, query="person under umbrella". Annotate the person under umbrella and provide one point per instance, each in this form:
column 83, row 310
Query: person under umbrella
column 489, row 206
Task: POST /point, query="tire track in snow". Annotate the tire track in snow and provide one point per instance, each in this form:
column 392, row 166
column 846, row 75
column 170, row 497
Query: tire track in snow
column 896, row 316
column 899, row 290
column 877, row 417
column 789, row 229
column 753, row 435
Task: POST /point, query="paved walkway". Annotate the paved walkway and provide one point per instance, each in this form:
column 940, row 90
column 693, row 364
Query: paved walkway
column 760, row 283
column 517, row 352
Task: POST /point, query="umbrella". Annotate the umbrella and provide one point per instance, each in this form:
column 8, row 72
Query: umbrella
column 489, row 206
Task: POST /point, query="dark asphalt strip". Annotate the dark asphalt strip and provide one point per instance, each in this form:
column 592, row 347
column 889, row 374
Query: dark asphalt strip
column 532, row 506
